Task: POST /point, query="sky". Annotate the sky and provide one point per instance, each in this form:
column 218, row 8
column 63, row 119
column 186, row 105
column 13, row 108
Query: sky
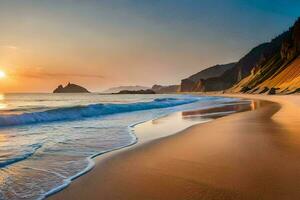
column 102, row 44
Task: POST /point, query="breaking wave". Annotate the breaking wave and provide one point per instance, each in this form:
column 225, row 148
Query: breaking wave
column 93, row 110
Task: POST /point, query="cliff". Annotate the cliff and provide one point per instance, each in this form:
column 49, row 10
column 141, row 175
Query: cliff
column 70, row 88
column 280, row 73
column 196, row 82
column 159, row 89
column 272, row 67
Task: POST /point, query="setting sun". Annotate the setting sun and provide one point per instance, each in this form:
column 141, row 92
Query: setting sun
column 2, row 74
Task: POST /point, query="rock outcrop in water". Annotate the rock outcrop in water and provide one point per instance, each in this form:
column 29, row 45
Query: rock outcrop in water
column 136, row 92
column 70, row 88
column 130, row 88
column 158, row 89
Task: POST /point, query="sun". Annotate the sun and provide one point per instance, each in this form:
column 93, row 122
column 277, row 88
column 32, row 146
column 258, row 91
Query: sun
column 2, row 74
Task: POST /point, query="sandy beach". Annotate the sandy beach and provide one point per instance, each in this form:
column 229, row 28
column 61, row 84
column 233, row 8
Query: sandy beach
column 248, row 155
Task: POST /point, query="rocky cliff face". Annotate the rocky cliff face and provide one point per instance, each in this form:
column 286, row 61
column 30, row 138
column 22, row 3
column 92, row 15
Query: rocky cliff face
column 258, row 69
column 187, row 85
column 160, row 89
column 214, row 71
column 70, row 88
column 243, row 68
column 197, row 82
column 280, row 71
column 291, row 45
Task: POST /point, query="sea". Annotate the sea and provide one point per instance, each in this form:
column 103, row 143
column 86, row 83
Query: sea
column 48, row 140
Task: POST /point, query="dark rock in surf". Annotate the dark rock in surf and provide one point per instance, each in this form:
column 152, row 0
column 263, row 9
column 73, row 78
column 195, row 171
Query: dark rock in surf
column 136, row 92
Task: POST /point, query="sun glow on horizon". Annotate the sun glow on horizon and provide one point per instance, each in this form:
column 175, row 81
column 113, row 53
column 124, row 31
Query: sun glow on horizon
column 2, row 74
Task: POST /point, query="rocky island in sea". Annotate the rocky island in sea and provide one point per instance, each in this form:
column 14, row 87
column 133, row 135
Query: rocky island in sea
column 70, row 88
column 129, row 87
column 148, row 91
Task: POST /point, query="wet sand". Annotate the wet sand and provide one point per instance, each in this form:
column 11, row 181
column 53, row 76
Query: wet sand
column 248, row 155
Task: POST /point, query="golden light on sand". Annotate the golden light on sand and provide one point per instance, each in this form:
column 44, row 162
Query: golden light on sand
column 2, row 74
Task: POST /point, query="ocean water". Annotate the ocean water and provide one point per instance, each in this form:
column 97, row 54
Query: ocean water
column 47, row 140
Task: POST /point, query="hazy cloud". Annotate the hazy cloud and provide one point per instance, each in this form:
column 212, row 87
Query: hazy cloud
column 12, row 47
column 59, row 75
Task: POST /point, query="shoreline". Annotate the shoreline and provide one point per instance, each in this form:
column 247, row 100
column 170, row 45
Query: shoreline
column 136, row 141
column 106, row 158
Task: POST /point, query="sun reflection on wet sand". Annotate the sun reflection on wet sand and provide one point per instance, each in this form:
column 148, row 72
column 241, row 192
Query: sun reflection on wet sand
column 176, row 122
column 163, row 127
column 225, row 109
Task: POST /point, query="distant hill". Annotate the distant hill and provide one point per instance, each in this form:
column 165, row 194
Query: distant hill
column 70, row 88
column 160, row 89
column 129, row 88
column 194, row 83
column 214, row 71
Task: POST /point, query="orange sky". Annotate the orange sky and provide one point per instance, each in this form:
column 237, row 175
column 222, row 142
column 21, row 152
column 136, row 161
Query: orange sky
column 101, row 44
